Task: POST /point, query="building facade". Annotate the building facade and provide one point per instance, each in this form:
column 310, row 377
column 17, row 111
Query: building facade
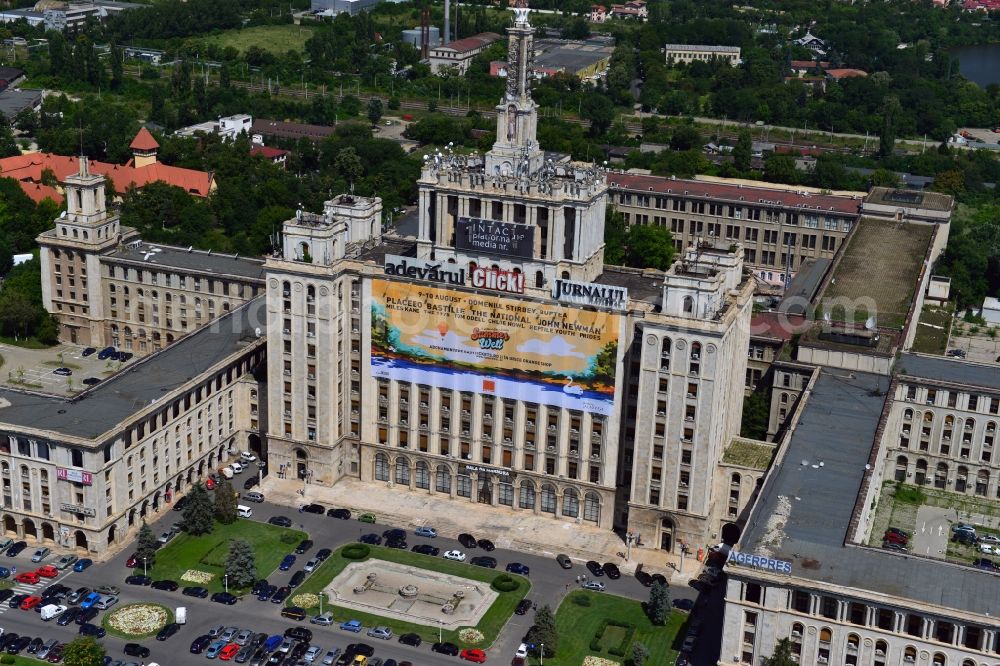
column 677, row 54
column 459, row 53
column 777, row 227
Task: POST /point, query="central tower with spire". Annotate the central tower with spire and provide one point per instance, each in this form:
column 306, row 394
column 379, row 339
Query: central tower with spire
column 516, row 151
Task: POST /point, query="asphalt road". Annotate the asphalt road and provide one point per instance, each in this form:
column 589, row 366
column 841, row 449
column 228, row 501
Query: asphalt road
column 549, row 584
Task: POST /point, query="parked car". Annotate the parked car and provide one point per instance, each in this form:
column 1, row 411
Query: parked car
column 87, row 352
column 683, row 604
column 612, row 571
column 195, row 591
column 106, row 353
column 166, row 585
column 27, row 578
column 86, row 615
column 428, row 532
column 311, row 565
column 293, row 613
column 449, row 649
column 138, row 580
column 62, row 372
column 564, row 561
column 287, row 563
column 486, row 545
column 484, row 561
column 254, row 496
column 342, row 514
column 523, row 607
column 426, row 549
column 474, row 655
column 106, row 602
column 454, row 555
column 303, row 546
column 47, row 571
column 384, row 633
column 280, row 521
column 297, row 579
column 518, row 568
column 467, row 540
column 410, row 639
column 595, row 568
column 281, row 594
column 324, row 620
column 353, row 626
column 65, row 561
column 167, row 631
column 82, row 564
column 890, row 545
column 371, row 539
column 199, row 644
column 224, row 598
column 299, row 633
column 595, row 585
column 366, row 518
column 40, row 554
column 88, row 629
column 15, row 548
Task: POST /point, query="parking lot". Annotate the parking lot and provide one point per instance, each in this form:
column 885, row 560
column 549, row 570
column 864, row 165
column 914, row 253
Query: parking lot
column 36, row 369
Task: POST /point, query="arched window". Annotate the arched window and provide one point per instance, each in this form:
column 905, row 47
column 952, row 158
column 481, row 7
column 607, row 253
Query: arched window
column 526, row 500
column 310, row 293
column 381, row 467
column 784, row 398
column 881, row 650
column 941, row 475
column 909, row 654
column 665, row 348
column 695, row 351
column 688, row 306
column 939, row 659
column 539, row 279
column 548, row 498
column 422, row 475
column 592, row 507
column 442, row 481
column 402, row 471
column 797, row 630
column 908, row 415
column 735, row 479
column 571, row 503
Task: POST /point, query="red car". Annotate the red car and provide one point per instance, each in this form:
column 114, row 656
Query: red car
column 30, row 602
column 28, row 578
column 47, row 571
column 229, row 651
column 894, row 537
column 477, row 656
column 132, row 561
column 209, row 484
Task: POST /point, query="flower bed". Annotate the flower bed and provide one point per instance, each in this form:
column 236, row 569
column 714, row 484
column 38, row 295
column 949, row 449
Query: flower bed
column 195, row 576
column 598, row 661
column 137, row 620
column 471, row 636
column 305, row 600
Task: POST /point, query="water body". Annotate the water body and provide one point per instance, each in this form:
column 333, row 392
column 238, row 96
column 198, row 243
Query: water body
column 980, row 64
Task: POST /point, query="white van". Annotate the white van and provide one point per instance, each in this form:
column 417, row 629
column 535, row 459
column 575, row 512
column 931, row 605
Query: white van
column 244, row 511
column 50, row 611
column 181, row 615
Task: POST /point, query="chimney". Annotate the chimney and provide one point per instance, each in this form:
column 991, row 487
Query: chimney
column 447, row 21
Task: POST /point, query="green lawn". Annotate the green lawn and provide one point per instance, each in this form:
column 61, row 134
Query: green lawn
column 491, row 624
column 208, row 552
column 932, row 330
column 578, row 624
column 278, row 39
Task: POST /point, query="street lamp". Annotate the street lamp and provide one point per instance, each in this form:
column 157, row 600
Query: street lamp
column 225, row 581
column 541, row 655
column 321, row 595
column 144, row 566
column 440, row 631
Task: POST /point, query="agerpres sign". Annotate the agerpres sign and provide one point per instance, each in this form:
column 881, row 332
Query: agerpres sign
column 589, row 293
column 421, row 269
column 498, row 279
column 492, row 237
column 760, row 562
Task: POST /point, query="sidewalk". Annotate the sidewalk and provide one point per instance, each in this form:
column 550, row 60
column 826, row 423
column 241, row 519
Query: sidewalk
column 514, row 530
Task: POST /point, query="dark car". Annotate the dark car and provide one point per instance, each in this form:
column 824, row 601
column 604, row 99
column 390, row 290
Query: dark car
column 86, row 615
column 136, row 650
column 68, row 616
column 895, row 538
column 91, row 381
column 297, row 578
column 518, row 568
column 293, row 613
column 261, row 584
column 181, row 503
column 125, row 356
column 484, row 561
column 486, row 545
column 965, row 538
column 394, row 533
column 16, row 600
column 168, row 585
column 6, row 594
column 280, row 521
column 106, row 353
column 168, row 630
column 360, row 648
column 984, row 563
column 890, row 545
column 342, row 514
column 644, row 578
column 286, row 563
column 195, row 591
column 371, row 538
column 88, row 351
column 683, row 604
column 303, row 546
column 449, row 649
column 138, row 580
column 595, row 568
column 314, row 508
column 250, row 482
column 612, row 571
column 564, row 561
column 299, row 633
column 35, row 644
column 323, row 553
column 7, row 639
column 199, row 644
column 426, row 549
column 410, row 639
column 95, row 630
column 467, row 540
column 18, row 645
column 266, row 593
column 280, row 594
column 523, row 607
column 15, row 548
column 661, row 580
column 399, row 544
column 224, row 598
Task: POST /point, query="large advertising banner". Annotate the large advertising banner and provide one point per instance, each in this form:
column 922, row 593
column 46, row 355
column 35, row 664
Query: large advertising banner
column 522, row 350
column 493, row 237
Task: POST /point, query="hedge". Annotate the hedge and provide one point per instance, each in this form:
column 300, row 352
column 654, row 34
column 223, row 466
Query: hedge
column 356, row 551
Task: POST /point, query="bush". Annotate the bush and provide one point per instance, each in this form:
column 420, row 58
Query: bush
column 7, row 659
column 289, row 538
column 581, row 600
column 504, row 583
column 393, row 103
column 356, row 551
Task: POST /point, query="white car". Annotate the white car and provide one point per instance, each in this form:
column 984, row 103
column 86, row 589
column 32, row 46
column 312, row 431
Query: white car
column 522, row 651
column 311, row 565
column 987, row 548
column 312, row 653
column 456, row 555
column 247, row 456
column 237, row 466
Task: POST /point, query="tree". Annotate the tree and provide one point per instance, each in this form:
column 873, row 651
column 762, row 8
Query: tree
column 599, row 110
column 685, row 137
column 544, row 631
column 145, row 545
column 743, row 151
column 780, row 169
column 891, row 110
column 782, row 655
column 83, row 651
column 756, row 414
column 241, row 564
column 374, row 110
column 225, row 502
column 349, row 165
column 578, row 28
column 615, row 233
column 659, row 603
column 649, row 247
column 198, row 512
column 640, row 653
